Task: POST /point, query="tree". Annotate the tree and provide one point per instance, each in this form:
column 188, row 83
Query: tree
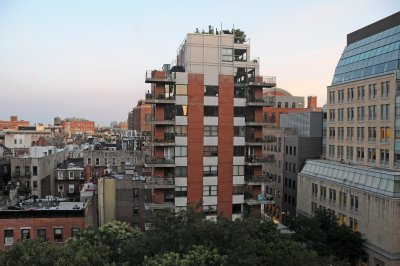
column 323, row 234
column 240, row 36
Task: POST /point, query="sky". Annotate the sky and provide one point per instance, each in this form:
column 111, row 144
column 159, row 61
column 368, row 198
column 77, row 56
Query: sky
column 88, row 59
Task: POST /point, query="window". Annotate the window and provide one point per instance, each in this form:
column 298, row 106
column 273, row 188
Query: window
column 210, row 209
column 331, row 97
column 342, row 219
column 41, row 234
column 210, row 170
column 384, row 158
column 385, row 111
column 332, row 151
column 70, row 174
column 25, row 233
column 180, row 191
column 332, row 133
column 372, row 112
column 75, row 231
column 372, row 134
column 238, row 150
column 60, row 187
column 350, row 114
column 238, row 111
column 361, row 113
column 354, row 203
column 239, row 131
column 322, row 195
column 314, row 189
column 210, row 131
column 227, row 54
column 350, row 94
column 60, row 175
column 89, row 160
column 342, row 199
column 81, row 175
column 353, row 224
column 34, row 170
column 105, row 161
column 114, row 161
column 58, row 235
column 35, row 185
column 238, row 170
column 372, row 91
column 332, row 114
column 340, row 96
column 350, row 133
column 294, row 150
column 180, row 130
column 385, row 134
column 360, row 154
column 361, row 93
column 349, row 153
column 210, row 190
column 210, row 151
column 135, row 193
column 97, row 161
column 8, row 237
column 210, row 90
column 313, row 208
column 385, row 89
column 181, row 171
column 340, row 133
column 181, row 89
column 210, row 110
column 239, row 92
column 71, row 188
column 181, row 110
column 238, row 190
column 180, row 151
column 135, row 210
column 332, row 196
column 360, row 134
column 340, row 152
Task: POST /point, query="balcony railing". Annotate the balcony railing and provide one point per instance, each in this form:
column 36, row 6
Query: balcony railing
column 258, row 179
column 159, row 98
column 158, row 206
column 254, row 141
column 262, row 198
column 251, row 101
column 168, row 120
column 263, row 81
column 259, row 159
column 160, row 182
column 154, row 76
column 161, row 162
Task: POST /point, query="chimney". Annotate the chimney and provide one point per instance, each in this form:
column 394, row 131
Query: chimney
column 87, row 174
column 311, row 102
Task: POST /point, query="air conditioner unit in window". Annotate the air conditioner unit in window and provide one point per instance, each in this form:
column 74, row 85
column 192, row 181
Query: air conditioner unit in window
column 8, row 240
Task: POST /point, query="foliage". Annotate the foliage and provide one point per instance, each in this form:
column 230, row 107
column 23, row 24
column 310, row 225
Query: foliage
column 323, row 234
column 183, row 239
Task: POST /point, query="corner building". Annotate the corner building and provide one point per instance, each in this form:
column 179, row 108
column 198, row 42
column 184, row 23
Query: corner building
column 207, row 120
column 360, row 181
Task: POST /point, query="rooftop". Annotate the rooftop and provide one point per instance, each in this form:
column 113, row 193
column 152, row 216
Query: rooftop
column 371, row 179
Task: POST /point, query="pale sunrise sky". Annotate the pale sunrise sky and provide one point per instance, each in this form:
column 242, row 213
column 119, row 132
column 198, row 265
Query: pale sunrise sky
column 88, row 58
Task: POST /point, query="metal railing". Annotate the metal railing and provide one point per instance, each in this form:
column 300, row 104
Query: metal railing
column 160, row 181
column 157, row 74
column 152, row 160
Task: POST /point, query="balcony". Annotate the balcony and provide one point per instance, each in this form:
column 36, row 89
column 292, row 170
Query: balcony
column 159, row 162
column 261, row 199
column 159, row 98
column 155, row 76
column 258, row 160
column 160, row 182
column 254, row 141
column 269, row 101
column 253, row 123
column 159, row 206
column 168, row 120
column 254, row 102
column 263, row 82
column 169, row 140
column 257, row 180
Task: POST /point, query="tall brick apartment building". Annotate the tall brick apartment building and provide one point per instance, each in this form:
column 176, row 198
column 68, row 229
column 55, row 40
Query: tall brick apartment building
column 207, row 122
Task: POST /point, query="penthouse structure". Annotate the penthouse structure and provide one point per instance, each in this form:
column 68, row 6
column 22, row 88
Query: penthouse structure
column 207, row 121
column 360, row 180
column 13, row 123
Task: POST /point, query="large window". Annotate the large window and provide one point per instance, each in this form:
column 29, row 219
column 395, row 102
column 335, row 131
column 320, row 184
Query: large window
column 181, row 110
column 180, row 171
column 238, row 170
column 210, row 170
column 239, row 111
column 8, row 237
column 41, row 234
column 180, row 191
column 238, row 150
column 210, row 110
column 210, row 90
column 75, row 231
column 239, row 131
column 238, row 189
column 58, row 235
column 210, row 151
column 239, row 92
column 210, row 131
column 227, row 54
column 180, row 151
column 210, row 209
column 210, row 190
column 180, row 130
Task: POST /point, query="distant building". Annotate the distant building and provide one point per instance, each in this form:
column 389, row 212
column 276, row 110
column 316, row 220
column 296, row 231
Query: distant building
column 139, row 118
column 13, row 123
column 78, row 126
column 47, row 219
